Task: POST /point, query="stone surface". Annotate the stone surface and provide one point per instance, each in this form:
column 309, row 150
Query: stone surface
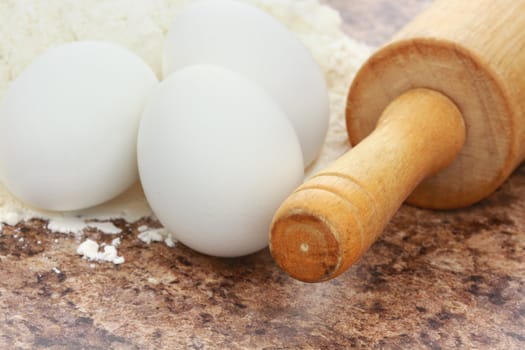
column 435, row 280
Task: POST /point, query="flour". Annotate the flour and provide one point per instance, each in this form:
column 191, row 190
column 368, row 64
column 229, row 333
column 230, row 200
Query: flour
column 157, row 235
column 29, row 27
column 90, row 250
column 116, row 242
column 106, row 227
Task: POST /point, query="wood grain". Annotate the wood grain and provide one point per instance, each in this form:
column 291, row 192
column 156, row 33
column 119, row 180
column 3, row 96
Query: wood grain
column 478, row 61
column 472, row 60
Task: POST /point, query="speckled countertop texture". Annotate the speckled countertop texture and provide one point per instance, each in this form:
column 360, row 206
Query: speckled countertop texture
column 435, row 280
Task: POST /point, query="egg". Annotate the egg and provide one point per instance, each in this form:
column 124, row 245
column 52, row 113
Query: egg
column 249, row 41
column 69, row 123
column 217, row 156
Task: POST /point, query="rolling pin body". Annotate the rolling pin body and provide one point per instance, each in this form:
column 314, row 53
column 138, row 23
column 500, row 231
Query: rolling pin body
column 472, row 52
column 338, row 214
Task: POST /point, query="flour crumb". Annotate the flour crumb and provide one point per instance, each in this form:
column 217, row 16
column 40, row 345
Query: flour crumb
column 106, row 227
column 110, row 254
column 64, row 224
column 157, row 235
column 151, row 236
column 119, row 260
column 169, row 242
column 56, row 270
column 116, row 242
column 142, row 228
column 89, row 249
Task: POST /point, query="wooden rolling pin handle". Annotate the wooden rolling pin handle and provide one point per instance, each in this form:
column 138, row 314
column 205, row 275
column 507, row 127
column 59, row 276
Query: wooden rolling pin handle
column 332, row 219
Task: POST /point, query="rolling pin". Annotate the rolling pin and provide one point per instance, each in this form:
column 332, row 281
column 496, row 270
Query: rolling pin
column 436, row 118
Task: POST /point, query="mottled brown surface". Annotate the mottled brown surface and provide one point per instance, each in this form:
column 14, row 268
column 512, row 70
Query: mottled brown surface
column 435, row 280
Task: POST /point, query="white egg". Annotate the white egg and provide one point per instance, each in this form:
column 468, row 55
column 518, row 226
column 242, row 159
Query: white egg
column 217, row 156
column 68, row 125
column 249, row 41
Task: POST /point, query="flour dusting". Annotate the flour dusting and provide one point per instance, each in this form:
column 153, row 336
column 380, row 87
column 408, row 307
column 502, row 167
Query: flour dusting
column 29, row 27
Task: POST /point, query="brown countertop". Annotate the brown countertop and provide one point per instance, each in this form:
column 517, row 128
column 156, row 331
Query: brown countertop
column 434, row 280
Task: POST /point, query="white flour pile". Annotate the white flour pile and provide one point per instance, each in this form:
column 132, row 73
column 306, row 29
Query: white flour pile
column 29, row 27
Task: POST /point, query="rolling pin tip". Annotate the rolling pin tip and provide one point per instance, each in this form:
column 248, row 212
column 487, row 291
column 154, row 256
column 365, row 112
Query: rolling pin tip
column 305, row 247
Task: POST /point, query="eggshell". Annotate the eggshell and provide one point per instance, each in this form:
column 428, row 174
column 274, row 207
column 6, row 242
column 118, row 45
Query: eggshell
column 249, row 41
column 68, row 125
column 217, row 156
